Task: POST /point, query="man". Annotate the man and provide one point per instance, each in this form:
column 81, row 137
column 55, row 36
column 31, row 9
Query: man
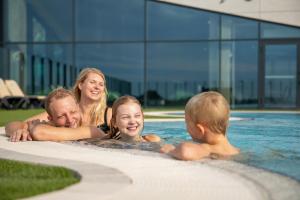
column 64, row 122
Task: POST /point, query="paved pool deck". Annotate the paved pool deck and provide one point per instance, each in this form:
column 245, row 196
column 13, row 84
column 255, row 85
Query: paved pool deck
column 133, row 174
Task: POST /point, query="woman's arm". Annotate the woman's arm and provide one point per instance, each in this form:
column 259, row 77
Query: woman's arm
column 108, row 116
column 45, row 132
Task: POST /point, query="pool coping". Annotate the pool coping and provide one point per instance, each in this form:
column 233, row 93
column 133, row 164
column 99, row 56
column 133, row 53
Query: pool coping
column 158, row 176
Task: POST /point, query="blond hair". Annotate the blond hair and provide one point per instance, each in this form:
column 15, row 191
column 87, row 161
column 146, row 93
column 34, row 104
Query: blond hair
column 56, row 94
column 98, row 110
column 210, row 109
column 117, row 103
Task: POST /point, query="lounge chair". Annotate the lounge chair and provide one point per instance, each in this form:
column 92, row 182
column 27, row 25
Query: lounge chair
column 33, row 101
column 9, row 101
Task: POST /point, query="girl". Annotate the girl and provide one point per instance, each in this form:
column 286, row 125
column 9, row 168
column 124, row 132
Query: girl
column 127, row 121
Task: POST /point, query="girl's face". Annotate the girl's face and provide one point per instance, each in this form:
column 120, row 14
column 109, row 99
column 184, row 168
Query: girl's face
column 92, row 87
column 130, row 119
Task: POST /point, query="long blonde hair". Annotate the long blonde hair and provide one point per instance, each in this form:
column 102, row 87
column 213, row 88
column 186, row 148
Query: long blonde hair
column 117, row 103
column 98, row 110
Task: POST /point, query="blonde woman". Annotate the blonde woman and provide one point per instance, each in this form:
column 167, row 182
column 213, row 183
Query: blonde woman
column 91, row 94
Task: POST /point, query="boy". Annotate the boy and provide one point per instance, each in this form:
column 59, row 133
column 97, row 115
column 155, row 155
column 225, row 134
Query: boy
column 207, row 117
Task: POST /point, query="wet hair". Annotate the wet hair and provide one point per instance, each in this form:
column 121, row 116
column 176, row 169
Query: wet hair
column 56, row 94
column 98, row 110
column 117, row 103
column 210, row 109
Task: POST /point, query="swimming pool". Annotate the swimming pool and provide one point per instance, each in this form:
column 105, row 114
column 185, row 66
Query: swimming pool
column 269, row 140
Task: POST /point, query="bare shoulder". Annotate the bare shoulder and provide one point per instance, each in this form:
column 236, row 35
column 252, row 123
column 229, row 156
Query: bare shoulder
column 191, row 151
column 151, row 138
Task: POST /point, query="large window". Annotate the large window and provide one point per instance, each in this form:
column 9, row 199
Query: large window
column 269, row 30
column 177, row 71
column 239, row 65
column 109, row 20
column 168, row 22
column 37, row 21
column 238, row 28
column 157, row 51
column 39, row 68
column 122, row 64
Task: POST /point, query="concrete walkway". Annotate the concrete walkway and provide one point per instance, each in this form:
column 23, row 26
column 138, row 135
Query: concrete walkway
column 132, row 174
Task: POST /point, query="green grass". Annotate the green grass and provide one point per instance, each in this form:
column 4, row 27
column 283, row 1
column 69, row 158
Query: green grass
column 20, row 115
column 20, row 179
column 14, row 115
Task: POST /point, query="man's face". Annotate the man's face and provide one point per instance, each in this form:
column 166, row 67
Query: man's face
column 65, row 112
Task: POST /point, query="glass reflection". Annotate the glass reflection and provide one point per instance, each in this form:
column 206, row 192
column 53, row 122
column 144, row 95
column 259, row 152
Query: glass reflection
column 122, row 64
column 238, row 28
column 177, row 71
column 280, row 75
column 37, row 67
column 269, row 30
column 168, row 22
column 239, row 73
column 109, row 20
column 39, row 21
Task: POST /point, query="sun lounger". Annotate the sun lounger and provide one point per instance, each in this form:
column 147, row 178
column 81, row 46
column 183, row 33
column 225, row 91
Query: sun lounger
column 8, row 101
column 15, row 90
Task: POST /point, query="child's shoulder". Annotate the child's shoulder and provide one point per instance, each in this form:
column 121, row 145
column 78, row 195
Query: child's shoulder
column 193, row 151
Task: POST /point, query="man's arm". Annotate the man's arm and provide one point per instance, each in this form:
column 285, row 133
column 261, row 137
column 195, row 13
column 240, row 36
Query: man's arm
column 14, row 126
column 45, row 132
column 17, row 131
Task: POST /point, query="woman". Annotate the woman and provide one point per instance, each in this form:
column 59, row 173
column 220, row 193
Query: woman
column 91, row 94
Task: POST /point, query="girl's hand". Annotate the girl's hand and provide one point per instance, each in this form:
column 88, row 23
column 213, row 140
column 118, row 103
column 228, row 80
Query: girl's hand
column 167, row 148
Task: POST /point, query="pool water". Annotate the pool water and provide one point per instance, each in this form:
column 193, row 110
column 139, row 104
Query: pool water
column 267, row 140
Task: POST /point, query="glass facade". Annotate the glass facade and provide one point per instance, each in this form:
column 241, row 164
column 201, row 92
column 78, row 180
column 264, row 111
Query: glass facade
column 159, row 52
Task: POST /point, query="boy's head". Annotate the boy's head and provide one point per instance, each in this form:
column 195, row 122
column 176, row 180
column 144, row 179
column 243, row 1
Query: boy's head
column 210, row 109
column 62, row 108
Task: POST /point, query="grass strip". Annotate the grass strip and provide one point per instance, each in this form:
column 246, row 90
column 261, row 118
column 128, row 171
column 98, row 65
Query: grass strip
column 17, row 115
column 21, row 179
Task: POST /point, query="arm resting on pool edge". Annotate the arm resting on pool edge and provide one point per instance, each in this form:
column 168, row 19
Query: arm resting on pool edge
column 11, row 127
column 17, row 131
column 44, row 132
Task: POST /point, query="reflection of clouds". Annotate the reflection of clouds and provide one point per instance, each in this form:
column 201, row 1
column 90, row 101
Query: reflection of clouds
column 110, row 20
column 124, row 60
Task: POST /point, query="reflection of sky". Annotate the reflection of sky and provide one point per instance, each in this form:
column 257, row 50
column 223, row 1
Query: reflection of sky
column 173, row 22
column 181, row 61
column 269, row 30
column 123, row 61
column 54, row 17
column 109, row 20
